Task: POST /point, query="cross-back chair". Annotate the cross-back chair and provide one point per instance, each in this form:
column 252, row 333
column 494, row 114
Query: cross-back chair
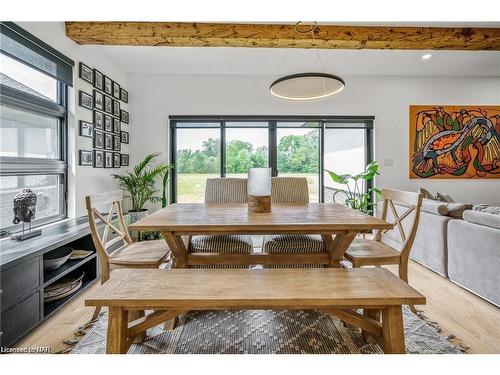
column 146, row 254
column 366, row 252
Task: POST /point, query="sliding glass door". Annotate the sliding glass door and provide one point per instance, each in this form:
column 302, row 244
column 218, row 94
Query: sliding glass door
column 204, row 147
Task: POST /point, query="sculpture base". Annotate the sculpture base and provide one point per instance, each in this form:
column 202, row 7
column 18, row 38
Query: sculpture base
column 259, row 204
column 26, row 235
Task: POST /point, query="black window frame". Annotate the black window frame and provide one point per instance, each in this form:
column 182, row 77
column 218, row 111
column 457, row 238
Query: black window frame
column 324, row 122
column 26, row 102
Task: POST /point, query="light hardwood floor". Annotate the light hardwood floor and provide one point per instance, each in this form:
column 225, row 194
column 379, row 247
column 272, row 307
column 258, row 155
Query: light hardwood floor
column 457, row 311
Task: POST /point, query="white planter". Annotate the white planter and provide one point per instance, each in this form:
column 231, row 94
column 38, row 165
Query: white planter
column 136, row 216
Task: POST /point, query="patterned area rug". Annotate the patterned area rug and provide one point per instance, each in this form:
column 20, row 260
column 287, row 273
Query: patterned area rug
column 266, row 332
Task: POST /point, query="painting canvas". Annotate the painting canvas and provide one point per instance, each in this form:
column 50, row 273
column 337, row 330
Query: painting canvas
column 454, row 142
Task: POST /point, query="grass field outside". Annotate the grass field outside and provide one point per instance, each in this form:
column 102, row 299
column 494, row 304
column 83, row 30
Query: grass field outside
column 191, row 186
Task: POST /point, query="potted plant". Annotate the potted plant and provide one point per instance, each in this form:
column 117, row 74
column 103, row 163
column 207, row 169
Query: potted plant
column 356, row 198
column 140, row 184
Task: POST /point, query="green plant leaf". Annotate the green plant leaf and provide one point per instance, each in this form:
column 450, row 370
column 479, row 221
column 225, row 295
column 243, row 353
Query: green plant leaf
column 340, row 179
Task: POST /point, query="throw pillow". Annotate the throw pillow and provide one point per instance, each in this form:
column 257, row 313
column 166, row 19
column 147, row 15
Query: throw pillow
column 487, row 209
column 426, row 194
column 444, row 198
column 456, row 210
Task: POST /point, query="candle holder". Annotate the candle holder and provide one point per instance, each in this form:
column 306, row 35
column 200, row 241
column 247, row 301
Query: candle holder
column 259, row 190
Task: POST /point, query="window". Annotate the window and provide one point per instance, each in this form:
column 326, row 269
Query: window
column 34, row 80
column 203, row 147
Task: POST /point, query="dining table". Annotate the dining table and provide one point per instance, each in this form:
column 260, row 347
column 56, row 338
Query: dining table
column 337, row 225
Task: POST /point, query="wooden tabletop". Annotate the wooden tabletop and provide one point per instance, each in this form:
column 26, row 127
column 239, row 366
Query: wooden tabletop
column 310, row 218
column 244, row 288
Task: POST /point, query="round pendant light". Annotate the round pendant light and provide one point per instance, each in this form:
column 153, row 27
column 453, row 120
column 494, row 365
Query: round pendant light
column 307, row 86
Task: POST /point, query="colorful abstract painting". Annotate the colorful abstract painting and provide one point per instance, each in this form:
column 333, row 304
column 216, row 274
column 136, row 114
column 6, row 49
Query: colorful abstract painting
column 454, row 141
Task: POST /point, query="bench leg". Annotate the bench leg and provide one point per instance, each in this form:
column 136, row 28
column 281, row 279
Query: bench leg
column 375, row 315
column 169, row 325
column 392, row 328
column 117, row 342
column 134, row 315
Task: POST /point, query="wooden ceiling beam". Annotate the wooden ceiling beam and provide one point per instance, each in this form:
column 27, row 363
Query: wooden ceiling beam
column 282, row 36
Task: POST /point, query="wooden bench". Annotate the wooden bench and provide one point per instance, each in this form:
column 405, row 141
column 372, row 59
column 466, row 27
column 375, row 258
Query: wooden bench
column 170, row 293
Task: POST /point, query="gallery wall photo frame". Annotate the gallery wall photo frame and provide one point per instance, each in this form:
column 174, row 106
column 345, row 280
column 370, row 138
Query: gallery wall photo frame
column 116, row 108
column 98, row 100
column 86, row 129
column 108, row 141
column 125, row 160
column 85, row 100
column 98, row 139
column 108, row 85
column 85, row 72
column 116, row 143
column 108, row 159
column 98, row 159
column 98, row 120
column 108, row 104
column 86, row 158
column 116, row 126
column 124, row 116
column 108, row 123
column 117, row 160
column 98, row 80
column 116, row 90
column 124, row 95
column 124, row 137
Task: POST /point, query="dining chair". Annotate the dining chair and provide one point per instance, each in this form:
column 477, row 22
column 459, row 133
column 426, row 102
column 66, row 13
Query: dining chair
column 146, row 254
column 367, row 252
column 223, row 190
column 292, row 190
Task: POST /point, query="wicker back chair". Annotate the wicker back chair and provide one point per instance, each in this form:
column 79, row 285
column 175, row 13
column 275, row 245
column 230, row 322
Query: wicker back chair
column 293, row 190
column 226, row 190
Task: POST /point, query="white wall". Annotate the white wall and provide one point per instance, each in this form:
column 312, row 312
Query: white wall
column 387, row 98
column 82, row 180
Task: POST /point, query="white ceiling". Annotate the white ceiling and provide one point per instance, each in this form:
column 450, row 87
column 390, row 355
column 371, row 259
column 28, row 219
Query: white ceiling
column 273, row 61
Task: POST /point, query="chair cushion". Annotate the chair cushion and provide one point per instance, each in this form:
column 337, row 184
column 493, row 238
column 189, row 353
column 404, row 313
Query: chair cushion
column 140, row 253
column 293, row 243
column 365, row 251
column 221, row 244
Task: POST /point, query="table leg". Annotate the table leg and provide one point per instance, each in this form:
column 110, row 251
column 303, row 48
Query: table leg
column 178, row 248
column 392, row 328
column 117, row 342
column 372, row 314
column 337, row 246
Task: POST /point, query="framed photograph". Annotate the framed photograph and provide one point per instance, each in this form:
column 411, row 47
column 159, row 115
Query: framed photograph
column 117, row 162
column 124, row 160
column 85, row 100
column 116, row 108
column 98, row 159
column 86, row 129
column 86, row 158
column 108, row 85
column 108, row 123
column 124, row 116
column 108, row 159
column 124, row 136
column 98, row 139
column 98, row 100
column 108, row 104
column 116, row 126
column 124, row 95
column 116, row 143
column 86, row 73
column 98, row 80
column 108, row 141
column 98, row 120
column 116, row 90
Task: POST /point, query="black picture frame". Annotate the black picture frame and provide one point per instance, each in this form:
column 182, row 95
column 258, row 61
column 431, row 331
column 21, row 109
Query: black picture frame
column 108, row 141
column 98, row 159
column 108, row 159
column 108, row 123
column 98, row 80
column 98, row 120
column 86, row 158
column 116, row 143
column 85, row 100
column 116, row 90
column 98, row 100
column 116, row 108
column 125, row 160
column 117, row 127
column 124, row 95
column 85, row 72
column 108, row 85
column 124, row 117
column 98, row 139
column 86, row 129
column 108, row 104
column 124, row 136
column 117, row 160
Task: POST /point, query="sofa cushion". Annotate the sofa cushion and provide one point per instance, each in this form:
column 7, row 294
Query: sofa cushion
column 482, row 218
column 488, row 209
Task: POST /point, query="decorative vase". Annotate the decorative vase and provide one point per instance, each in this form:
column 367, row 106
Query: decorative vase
column 259, row 190
column 138, row 215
